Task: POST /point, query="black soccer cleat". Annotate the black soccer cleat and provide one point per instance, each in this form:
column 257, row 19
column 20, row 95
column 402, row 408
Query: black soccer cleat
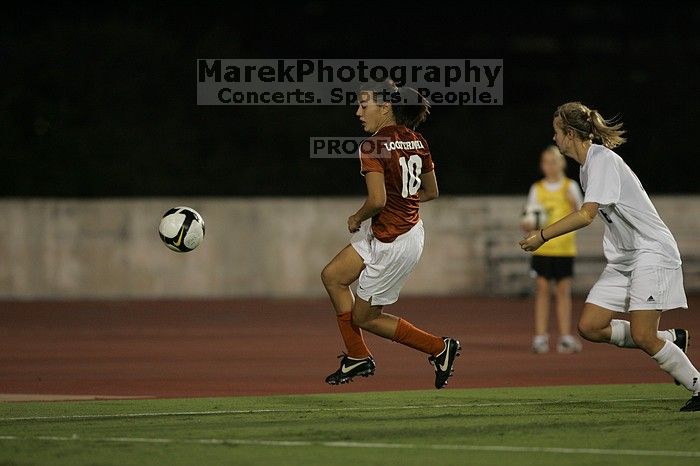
column 682, row 338
column 682, row 341
column 692, row 404
column 350, row 368
column 444, row 361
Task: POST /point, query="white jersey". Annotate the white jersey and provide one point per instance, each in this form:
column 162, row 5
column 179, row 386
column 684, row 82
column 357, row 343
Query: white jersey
column 635, row 236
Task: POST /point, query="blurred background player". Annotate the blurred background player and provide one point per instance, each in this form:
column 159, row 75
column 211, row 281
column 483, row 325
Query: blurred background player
column 643, row 276
column 387, row 239
column 553, row 263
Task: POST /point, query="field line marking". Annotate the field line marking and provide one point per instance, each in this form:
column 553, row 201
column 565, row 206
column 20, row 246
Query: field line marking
column 371, row 445
column 321, row 410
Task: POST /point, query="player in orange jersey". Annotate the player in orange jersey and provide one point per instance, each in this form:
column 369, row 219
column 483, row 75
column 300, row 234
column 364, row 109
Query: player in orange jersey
column 387, row 239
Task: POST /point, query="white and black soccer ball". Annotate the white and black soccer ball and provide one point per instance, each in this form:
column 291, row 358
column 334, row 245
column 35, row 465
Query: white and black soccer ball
column 534, row 217
column 181, row 229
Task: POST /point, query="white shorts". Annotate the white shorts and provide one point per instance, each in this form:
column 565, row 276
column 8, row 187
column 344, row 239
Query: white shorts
column 387, row 265
column 644, row 288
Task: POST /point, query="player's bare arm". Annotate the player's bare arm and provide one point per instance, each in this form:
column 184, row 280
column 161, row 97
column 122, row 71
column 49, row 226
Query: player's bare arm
column 428, row 187
column 376, row 199
column 572, row 222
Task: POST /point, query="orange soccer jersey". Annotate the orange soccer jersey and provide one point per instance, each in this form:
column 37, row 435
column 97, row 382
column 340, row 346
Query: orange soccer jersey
column 402, row 155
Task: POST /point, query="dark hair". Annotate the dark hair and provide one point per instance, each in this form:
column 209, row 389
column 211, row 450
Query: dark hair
column 407, row 105
column 590, row 124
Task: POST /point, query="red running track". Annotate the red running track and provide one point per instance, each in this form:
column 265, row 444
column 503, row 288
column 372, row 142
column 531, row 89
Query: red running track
column 261, row 347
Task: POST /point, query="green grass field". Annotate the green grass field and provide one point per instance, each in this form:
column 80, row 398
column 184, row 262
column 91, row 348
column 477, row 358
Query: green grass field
column 606, row 425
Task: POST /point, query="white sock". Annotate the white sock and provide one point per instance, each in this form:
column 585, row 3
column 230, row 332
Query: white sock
column 674, row 361
column 622, row 336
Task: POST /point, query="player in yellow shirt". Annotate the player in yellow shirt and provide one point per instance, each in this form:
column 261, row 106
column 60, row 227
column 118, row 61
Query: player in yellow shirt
column 553, row 263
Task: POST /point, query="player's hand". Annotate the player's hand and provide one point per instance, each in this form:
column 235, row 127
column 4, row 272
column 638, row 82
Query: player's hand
column 532, row 241
column 353, row 224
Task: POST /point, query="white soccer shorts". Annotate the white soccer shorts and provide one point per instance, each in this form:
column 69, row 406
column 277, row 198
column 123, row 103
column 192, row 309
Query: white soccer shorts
column 645, row 288
column 387, row 265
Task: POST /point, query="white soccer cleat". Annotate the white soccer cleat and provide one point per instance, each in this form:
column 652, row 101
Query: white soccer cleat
column 540, row 344
column 568, row 344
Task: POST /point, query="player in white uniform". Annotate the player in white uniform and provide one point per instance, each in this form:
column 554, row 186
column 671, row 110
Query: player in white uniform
column 643, row 276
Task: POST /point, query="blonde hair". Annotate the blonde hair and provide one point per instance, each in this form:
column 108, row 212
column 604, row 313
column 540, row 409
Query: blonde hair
column 555, row 150
column 588, row 123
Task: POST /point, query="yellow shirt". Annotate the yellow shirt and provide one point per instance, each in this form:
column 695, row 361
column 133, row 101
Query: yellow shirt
column 558, row 205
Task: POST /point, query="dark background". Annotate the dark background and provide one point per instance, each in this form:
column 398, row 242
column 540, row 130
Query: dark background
column 100, row 101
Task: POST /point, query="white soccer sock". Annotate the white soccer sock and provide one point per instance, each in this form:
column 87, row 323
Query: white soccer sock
column 667, row 335
column 674, row 361
column 622, row 336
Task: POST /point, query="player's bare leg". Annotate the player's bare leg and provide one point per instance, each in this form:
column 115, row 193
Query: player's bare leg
column 442, row 351
column 594, row 324
column 644, row 326
column 372, row 319
column 563, row 298
column 567, row 342
column 337, row 277
column 598, row 325
column 540, row 342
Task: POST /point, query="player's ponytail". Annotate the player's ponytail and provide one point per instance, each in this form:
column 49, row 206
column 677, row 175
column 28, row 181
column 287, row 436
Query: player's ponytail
column 412, row 109
column 588, row 123
column 408, row 106
column 607, row 131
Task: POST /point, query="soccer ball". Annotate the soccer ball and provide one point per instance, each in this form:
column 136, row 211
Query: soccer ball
column 181, row 229
column 534, row 217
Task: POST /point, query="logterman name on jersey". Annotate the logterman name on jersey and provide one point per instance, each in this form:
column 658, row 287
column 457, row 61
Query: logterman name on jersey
column 403, row 145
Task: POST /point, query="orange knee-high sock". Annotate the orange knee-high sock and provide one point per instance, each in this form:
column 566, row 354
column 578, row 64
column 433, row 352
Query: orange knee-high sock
column 352, row 336
column 415, row 338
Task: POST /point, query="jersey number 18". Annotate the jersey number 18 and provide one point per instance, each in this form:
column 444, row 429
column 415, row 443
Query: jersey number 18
column 410, row 174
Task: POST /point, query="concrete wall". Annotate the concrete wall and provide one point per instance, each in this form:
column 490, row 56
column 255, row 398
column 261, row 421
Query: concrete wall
column 274, row 247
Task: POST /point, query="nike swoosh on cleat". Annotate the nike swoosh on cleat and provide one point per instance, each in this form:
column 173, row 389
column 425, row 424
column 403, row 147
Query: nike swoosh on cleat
column 347, row 369
column 443, row 367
